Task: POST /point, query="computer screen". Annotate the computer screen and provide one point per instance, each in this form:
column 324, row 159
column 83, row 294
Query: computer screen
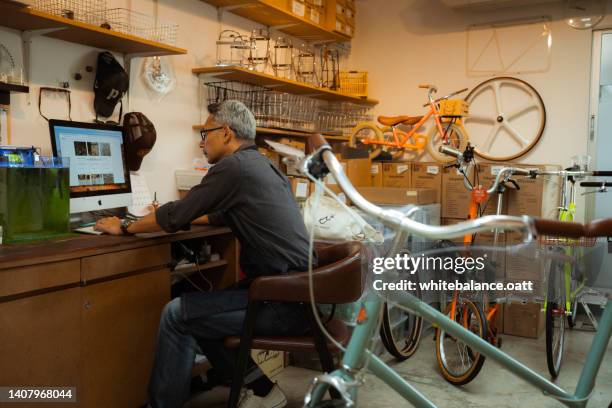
column 97, row 164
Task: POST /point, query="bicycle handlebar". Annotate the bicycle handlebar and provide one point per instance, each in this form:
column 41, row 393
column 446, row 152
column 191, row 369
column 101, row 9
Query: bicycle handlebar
column 595, row 184
column 323, row 159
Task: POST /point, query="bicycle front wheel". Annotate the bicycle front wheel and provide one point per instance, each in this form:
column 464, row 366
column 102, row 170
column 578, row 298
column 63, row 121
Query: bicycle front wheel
column 458, row 363
column 400, row 331
column 370, row 132
column 455, row 136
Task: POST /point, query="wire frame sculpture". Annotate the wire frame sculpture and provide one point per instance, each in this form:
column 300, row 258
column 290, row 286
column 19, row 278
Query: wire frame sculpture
column 259, row 51
column 282, row 62
column 330, row 68
column 306, row 66
column 232, row 49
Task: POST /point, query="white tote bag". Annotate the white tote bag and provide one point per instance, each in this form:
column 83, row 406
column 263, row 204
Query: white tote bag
column 333, row 220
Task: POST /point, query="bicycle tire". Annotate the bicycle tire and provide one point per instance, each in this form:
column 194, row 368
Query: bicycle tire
column 478, row 358
column 554, row 319
column 459, row 141
column 375, row 150
column 405, row 346
column 540, row 131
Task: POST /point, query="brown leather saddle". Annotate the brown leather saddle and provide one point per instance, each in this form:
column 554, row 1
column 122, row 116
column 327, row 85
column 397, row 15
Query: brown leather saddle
column 396, row 120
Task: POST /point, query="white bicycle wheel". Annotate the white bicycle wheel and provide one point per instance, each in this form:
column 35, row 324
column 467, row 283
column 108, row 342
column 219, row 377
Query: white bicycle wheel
column 506, row 120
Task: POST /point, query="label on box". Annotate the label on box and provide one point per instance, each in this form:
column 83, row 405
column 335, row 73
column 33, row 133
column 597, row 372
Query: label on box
column 433, row 169
column 349, row 13
column 301, row 189
column 374, row 169
column 349, row 30
column 411, row 193
column 338, row 25
column 315, row 16
column 402, row 168
column 298, row 8
column 339, row 9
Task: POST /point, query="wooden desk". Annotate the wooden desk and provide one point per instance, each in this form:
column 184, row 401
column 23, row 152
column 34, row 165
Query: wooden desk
column 84, row 311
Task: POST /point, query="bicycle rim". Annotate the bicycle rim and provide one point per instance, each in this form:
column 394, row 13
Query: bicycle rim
column 400, row 331
column 456, row 137
column 369, row 131
column 458, row 363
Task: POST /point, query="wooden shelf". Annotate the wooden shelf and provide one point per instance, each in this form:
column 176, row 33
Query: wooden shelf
column 28, row 19
column 280, row 84
column 268, row 13
column 283, row 132
column 4, row 87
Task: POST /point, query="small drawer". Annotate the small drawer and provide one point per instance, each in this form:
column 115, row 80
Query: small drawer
column 132, row 260
column 25, row 279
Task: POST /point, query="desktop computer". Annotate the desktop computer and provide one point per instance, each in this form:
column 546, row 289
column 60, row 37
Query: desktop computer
column 99, row 177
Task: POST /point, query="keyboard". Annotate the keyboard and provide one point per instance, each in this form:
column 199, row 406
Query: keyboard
column 88, row 230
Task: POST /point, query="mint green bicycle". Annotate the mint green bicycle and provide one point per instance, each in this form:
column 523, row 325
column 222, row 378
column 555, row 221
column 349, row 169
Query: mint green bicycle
column 345, row 381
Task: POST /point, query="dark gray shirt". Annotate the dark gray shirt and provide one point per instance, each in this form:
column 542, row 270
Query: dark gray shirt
column 246, row 192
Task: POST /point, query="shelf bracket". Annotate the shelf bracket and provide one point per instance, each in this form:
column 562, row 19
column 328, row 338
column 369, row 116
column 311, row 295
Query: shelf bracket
column 26, row 48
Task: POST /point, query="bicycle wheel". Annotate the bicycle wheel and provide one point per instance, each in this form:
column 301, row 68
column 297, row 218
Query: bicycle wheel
column 367, row 131
column 401, row 330
column 555, row 321
column 507, row 118
column 458, row 363
column 394, row 152
column 456, row 138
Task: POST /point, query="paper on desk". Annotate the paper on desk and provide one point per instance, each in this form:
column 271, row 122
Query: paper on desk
column 141, row 196
column 285, row 150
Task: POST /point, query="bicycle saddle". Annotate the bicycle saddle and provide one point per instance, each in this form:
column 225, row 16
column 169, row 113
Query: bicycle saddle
column 396, row 120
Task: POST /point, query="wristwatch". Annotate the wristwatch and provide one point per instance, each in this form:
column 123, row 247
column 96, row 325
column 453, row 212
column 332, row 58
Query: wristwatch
column 125, row 225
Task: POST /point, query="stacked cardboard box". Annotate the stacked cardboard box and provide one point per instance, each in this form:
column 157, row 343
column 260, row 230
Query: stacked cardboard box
column 396, row 175
column 427, row 175
column 537, row 197
column 455, row 197
column 523, row 319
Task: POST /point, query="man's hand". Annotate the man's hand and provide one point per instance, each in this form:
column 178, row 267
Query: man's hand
column 110, row 225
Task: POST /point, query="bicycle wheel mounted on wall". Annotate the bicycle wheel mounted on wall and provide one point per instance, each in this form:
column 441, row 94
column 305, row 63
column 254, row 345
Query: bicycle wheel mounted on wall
column 507, row 118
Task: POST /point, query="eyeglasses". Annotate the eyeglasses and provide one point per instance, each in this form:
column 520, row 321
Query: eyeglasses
column 205, row 132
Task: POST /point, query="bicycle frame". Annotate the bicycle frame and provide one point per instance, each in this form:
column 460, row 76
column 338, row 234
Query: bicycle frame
column 357, row 355
column 406, row 136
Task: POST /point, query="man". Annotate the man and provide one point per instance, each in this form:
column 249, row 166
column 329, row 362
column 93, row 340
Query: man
column 244, row 191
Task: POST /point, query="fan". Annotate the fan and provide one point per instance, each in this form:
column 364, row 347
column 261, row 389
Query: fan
column 7, row 65
column 159, row 75
column 584, row 14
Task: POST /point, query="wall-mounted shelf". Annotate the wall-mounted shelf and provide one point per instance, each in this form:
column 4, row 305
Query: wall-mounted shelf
column 28, row 19
column 279, row 84
column 268, row 13
column 4, row 87
column 290, row 133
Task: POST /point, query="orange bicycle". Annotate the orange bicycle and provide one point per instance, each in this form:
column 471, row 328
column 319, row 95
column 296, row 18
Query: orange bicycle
column 448, row 129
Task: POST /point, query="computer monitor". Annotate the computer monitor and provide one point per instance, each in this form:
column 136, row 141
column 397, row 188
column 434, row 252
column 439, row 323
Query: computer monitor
column 99, row 177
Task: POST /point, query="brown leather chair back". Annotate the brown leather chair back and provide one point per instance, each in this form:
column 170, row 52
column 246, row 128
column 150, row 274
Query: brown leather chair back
column 337, row 279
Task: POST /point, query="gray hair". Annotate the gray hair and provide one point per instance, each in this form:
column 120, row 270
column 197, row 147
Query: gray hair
column 236, row 116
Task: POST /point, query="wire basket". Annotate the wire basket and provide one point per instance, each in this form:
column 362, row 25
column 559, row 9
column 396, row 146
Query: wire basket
column 341, row 118
column 353, row 83
column 85, row 11
column 453, row 108
column 138, row 24
column 584, row 242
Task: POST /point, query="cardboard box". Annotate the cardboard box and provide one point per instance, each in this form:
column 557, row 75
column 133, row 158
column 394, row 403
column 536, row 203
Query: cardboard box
column 487, row 172
column 455, row 197
column 359, row 172
column 523, row 319
column 274, row 157
column 523, row 264
column 396, row 175
column 377, row 175
column 537, row 197
column 427, row 175
column 300, row 187
column 397, row 196
column 271, row 362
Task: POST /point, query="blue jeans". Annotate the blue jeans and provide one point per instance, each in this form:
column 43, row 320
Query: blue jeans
column 180, row 332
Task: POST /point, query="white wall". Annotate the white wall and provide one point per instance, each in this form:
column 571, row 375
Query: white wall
column 177, row 144
column 404, row 43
